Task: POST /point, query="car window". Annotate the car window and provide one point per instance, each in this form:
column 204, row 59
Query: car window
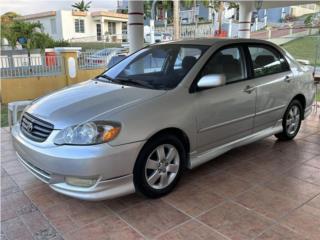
column 151, row 63
column 186, row 52
column 228, row 61
column 266, row 61
column 158, row 66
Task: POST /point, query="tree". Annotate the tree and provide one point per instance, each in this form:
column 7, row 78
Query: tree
column 7, row 20
column 82, row 6
column 147, row 8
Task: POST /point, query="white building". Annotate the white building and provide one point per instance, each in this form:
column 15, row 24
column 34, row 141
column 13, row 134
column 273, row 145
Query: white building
column 81, row 26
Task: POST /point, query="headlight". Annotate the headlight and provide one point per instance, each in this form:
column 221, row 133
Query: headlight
column 88, row 133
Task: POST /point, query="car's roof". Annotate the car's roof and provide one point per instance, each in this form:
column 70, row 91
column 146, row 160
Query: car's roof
column 213, row 41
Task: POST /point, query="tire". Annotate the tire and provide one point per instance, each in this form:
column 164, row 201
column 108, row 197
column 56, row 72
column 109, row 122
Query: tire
column 159, row 166
column 291, row 121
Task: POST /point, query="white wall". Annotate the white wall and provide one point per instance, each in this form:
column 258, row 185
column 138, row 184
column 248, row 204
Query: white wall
column 68, row 29
column 46, row 23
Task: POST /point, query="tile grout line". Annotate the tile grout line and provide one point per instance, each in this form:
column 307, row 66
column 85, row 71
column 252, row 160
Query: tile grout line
column 130, row 225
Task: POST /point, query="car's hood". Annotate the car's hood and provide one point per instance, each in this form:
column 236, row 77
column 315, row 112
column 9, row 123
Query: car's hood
column 88, row 101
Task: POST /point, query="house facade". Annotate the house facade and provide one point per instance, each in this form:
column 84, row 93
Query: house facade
column 82, row 26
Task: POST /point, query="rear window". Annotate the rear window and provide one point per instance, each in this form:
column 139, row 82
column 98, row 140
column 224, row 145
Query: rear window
column 266, row 61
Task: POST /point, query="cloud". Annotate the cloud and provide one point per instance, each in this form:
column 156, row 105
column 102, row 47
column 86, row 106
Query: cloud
column 23, row 7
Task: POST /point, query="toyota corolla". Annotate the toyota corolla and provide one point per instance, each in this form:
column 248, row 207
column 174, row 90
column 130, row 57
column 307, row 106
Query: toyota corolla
column 165, row 108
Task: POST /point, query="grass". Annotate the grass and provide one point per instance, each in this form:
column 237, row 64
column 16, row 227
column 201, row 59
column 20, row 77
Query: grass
column 4, row 115
column 304, row 48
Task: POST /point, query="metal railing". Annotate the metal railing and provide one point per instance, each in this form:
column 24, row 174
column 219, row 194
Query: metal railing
column 24, row 66
column 99, row 59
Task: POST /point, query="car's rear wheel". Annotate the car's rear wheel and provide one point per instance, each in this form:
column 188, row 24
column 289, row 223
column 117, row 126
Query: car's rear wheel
column 159, row 166
column 291, row 121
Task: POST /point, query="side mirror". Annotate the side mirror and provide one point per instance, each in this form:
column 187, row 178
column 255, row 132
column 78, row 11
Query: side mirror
column 303, row 62
column 212, row 80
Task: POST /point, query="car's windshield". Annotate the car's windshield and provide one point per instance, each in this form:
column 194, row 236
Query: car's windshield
column 157, row 67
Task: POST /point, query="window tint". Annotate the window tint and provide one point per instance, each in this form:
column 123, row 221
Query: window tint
column 151, row 63
column 229, row 62
column 186, row 52
column 266, row 61
column 159, row 66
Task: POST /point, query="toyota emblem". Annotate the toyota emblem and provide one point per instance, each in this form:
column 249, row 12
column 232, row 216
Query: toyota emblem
column 29, row 126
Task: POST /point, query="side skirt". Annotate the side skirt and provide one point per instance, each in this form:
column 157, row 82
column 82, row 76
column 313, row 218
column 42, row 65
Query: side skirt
column 198, row 159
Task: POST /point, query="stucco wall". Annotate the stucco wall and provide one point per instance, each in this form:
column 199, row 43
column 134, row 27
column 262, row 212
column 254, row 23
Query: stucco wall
column 28, row 88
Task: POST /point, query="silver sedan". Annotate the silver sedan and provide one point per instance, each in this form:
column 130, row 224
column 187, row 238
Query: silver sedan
column 167, row 107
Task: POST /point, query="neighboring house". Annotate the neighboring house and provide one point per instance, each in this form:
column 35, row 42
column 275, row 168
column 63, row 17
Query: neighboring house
column 275, row 15
column 81, row 26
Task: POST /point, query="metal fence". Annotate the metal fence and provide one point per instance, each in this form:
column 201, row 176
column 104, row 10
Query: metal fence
column 99, row 59
column 24, row 66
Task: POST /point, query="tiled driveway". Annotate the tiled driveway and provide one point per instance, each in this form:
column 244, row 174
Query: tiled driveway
column 266, row 190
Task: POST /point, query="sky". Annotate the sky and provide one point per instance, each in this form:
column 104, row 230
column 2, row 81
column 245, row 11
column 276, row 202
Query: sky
column 23, row 7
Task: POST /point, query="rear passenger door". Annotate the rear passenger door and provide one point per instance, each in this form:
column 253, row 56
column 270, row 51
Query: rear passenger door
column 272, row 79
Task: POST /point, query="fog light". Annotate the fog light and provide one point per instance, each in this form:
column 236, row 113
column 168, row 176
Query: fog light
column 80, row 182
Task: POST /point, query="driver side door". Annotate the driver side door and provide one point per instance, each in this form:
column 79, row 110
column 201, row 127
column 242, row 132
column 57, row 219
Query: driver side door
column 225, row 113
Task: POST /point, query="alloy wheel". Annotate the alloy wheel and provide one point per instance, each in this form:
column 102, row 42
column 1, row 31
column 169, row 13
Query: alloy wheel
column 162, row 166
column 293, row 120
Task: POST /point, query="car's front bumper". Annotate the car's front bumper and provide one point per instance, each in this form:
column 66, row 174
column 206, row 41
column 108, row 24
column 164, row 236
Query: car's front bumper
column 111, row 166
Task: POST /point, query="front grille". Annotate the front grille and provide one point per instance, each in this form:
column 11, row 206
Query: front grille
column 35, row 128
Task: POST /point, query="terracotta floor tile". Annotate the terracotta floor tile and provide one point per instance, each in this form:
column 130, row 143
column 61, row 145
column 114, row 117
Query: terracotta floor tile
column 193, row 200
column 110, row 227
column 267, row 202
column 315, row 138
column 315, row 202
column 153, row 218
column 14, row 205
column 8, row 186
column 250, row 172
column 224, row 184
column 13, row 167
column 192, row 230
column 305, row 221
column 38, row 226
column 294, row 188
column 280, row 233
column 43, row 196
column 301, row 145
column 307, row 173
column 315, row 162
column 123, row 203
column 26, row 180
column 15, row 229
column 235, row 222
column 71, row 214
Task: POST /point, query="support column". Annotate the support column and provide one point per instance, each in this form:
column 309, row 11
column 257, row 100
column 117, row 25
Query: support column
column 135, row 25
column 176, row 19
column 70, row 60
column 103, row 37
column 245, row 13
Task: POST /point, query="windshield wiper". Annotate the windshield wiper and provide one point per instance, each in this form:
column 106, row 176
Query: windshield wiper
column 104, row 77
column 131, row 81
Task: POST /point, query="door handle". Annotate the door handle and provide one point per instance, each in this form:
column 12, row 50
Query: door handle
column 287, row 78
column 249, row 89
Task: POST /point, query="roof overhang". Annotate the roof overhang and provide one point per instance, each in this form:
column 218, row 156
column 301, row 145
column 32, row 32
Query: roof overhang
column 38, row 15
column 110, row 15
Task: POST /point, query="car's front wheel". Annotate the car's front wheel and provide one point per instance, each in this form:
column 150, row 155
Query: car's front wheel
column 291, row 121
column 159, row 166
